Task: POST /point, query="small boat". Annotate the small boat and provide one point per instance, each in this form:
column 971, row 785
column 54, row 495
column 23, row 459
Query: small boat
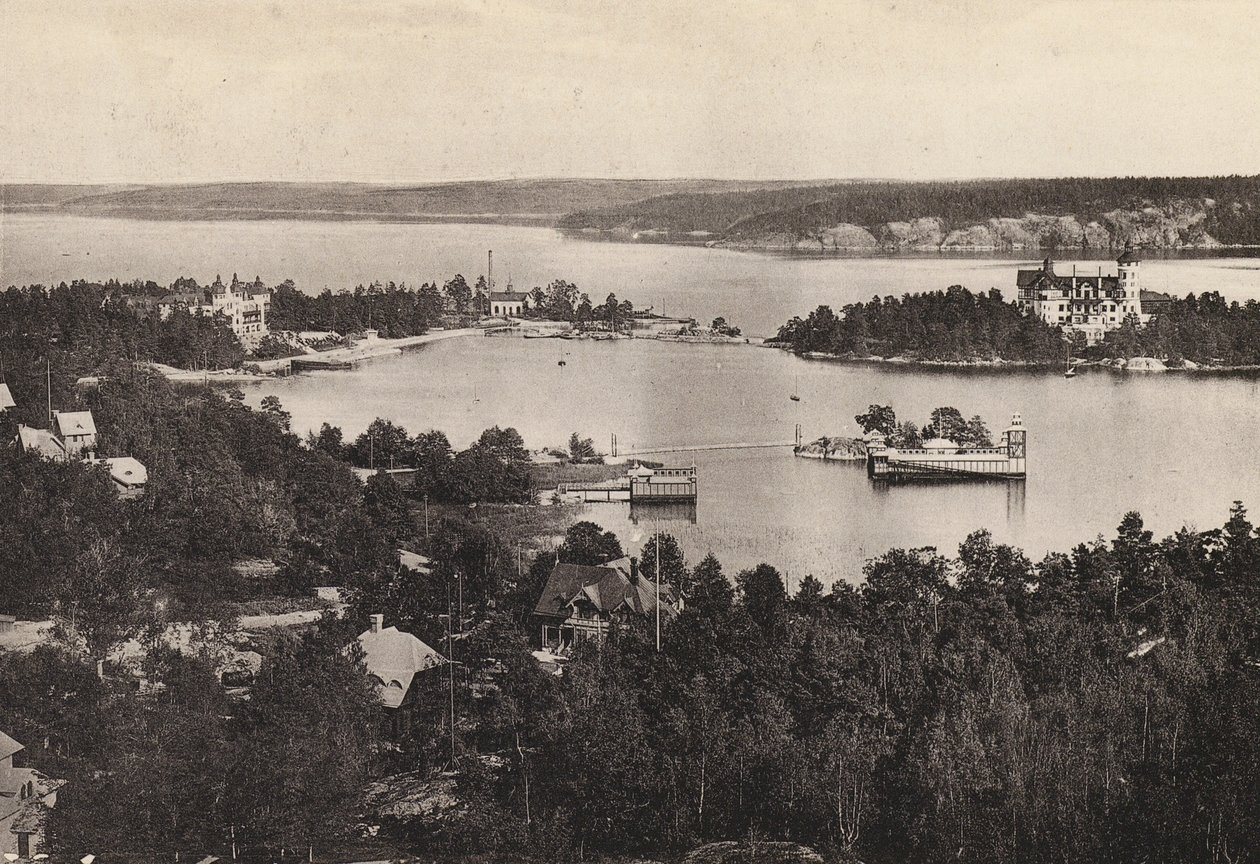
column 1070, row 373
column 796, row 395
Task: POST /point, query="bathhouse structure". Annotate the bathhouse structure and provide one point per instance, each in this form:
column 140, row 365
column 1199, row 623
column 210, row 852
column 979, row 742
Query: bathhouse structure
column 941, row 459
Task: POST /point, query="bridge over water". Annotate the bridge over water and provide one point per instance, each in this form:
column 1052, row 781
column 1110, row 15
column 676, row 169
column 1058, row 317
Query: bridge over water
column 696, row 448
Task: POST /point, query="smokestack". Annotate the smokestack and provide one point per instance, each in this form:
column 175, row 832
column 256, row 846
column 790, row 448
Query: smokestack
column 378, row 622
column 634, row 571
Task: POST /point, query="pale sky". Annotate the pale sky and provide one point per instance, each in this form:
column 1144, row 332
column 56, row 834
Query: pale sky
column 159, row 91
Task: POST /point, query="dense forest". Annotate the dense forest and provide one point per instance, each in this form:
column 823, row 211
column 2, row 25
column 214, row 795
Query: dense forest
column 954, row 325
column 1205, row 328
column 394, row 310
column 1100, row 705
column 1230, row 206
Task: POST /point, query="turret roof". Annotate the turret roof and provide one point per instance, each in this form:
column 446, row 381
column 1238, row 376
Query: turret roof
column 1131, row 255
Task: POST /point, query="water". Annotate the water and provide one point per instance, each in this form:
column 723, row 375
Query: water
column 755, row 292
column 1177, row 448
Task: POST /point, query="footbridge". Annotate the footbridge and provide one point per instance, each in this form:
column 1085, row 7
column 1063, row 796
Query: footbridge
column 650, row 450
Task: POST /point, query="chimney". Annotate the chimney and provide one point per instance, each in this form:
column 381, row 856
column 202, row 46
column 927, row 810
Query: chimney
column 634, row 571
column 378, row 622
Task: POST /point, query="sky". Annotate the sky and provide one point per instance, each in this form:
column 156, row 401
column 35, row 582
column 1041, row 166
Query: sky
column 389, row 91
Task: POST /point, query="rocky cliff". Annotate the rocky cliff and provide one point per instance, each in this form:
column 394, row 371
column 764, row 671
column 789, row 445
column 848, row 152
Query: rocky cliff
column 1066, row 214
column 1180, row 225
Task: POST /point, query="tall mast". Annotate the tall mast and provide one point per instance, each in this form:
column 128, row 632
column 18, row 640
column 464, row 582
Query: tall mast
column 658, row 591
column 489, row 271
column 48, row 382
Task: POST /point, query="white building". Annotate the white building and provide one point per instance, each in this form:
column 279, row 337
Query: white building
column 507, row 303
column 1090, row 304
column 245, row 306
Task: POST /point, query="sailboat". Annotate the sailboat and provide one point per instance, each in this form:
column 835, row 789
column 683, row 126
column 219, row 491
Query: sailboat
column 561, row 362
column 796, row 394
column 1070, row 373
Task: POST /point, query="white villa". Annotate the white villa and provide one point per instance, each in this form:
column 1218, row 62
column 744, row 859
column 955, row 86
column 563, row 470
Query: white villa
column 1086, row 303
column 245, row 306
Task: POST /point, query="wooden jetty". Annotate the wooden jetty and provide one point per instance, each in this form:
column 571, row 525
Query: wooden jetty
column 640, row 485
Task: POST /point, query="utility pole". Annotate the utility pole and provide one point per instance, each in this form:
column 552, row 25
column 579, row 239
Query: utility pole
column 658, row 591
column 426, row 515
column 450, row 665
column 48, row 381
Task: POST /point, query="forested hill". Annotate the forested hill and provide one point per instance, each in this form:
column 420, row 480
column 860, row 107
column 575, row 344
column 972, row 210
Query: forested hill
column 535, row 202
column 1066, row 213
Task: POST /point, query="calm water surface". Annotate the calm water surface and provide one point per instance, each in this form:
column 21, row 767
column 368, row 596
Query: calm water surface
column 1177, row 448
column 756, row 292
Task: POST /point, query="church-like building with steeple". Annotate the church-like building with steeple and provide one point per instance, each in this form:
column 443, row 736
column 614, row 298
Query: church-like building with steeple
column 1086, row 303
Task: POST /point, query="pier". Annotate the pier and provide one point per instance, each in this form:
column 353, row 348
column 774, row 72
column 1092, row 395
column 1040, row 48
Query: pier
column 641, row 485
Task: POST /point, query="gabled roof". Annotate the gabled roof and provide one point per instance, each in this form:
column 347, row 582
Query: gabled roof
column 40, row 442
column 188, row 298
column 6, row 398
column 509, row 296
column 393, row 658
column 8, row 746
column 608, row 588
column 74, row 423
column 1041, row 279
column 412, row 561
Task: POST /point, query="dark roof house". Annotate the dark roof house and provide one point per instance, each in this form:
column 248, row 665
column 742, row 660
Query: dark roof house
column 581, row 601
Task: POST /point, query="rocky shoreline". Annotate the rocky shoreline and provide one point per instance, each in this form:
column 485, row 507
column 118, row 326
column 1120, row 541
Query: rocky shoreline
column 1131, row 364
column 834, row 449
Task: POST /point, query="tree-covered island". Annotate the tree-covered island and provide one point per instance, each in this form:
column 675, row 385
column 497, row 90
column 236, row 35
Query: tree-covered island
column 957, row 326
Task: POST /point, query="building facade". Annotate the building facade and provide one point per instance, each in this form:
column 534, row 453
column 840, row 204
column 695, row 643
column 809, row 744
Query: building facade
column 1091, row 304
column 582, row 602
column 507, row 303
column 26, row 795
column 245, row 306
